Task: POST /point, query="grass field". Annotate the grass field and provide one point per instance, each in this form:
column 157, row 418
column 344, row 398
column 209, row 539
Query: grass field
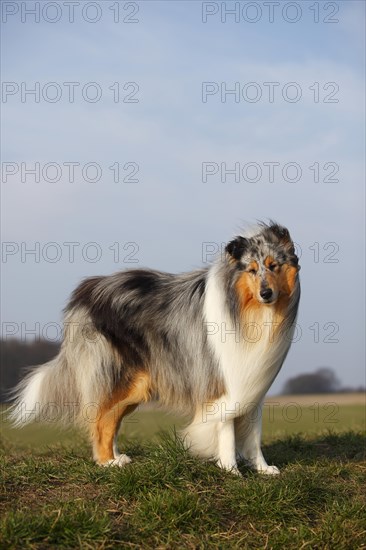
column 53, row 495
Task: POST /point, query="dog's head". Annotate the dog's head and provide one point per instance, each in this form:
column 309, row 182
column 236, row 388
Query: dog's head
column 267, row 263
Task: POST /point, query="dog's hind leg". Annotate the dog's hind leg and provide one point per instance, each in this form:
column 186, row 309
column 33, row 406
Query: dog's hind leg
column 110, row 415
column 104, row 435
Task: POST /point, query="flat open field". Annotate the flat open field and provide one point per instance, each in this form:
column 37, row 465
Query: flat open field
column 322, row 398
column 53, row 495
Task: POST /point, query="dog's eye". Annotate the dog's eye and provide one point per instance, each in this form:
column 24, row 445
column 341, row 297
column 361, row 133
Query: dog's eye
column 272, row 267
column 252, row 271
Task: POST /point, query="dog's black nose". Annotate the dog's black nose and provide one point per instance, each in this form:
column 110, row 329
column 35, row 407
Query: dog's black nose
column 266, row 293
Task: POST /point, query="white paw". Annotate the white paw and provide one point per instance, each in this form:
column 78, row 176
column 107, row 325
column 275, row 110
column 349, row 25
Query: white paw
column 120, row 461
column 236, row 471
column 232, row 468
column 269, row 470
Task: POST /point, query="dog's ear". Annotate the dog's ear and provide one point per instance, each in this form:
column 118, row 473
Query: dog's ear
column 237, row 247
column 283, row 235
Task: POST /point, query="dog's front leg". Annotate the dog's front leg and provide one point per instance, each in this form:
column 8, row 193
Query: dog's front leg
column 226, row 446
column 248, row 433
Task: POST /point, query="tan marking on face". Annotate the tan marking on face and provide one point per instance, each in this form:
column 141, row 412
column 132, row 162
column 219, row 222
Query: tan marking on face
column 248, row 288
column 122, row 401
column 248, row 284
column 272, row 281
column 269, row 261
column 288, row 278
column 281, row 281
column 245, row 288
column 253, row 265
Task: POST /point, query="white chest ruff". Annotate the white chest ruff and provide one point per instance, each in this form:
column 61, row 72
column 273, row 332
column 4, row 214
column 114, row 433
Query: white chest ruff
column 250, row 354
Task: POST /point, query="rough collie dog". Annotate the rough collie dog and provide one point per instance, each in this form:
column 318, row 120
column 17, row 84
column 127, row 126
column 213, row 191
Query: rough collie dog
column 207, row 344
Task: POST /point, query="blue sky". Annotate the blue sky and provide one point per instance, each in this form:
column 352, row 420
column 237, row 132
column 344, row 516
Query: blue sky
column 170, row 212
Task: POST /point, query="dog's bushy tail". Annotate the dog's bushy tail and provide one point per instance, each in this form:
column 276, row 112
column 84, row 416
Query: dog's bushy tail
column 47, row 394
column 71, row 387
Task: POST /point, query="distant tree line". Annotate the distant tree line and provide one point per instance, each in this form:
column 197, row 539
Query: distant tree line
column 323, row 380
column 15, row 355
